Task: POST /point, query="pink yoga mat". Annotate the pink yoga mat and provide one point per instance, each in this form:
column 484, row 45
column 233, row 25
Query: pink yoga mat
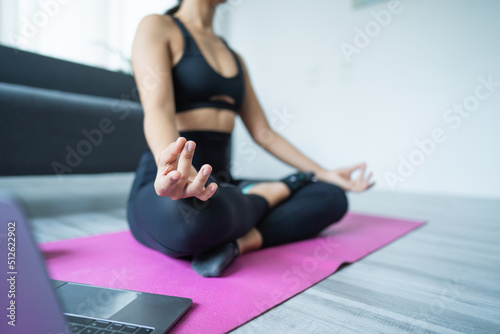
column 254, row 283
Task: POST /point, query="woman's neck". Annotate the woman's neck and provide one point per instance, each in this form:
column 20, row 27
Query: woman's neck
column 197, row 13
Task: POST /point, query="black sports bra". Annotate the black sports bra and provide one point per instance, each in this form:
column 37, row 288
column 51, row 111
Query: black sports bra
column 196, row 82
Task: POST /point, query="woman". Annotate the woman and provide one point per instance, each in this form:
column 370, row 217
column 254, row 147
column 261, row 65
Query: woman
column 184, row 201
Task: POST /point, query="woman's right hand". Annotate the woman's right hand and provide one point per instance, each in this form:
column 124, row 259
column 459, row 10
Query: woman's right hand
column 175, row 177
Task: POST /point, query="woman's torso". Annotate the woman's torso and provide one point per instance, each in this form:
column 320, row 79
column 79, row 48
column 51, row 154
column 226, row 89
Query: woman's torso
column 199, row 55
column 209, row 127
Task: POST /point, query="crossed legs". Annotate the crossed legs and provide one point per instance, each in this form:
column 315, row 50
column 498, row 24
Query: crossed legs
column 266, row 215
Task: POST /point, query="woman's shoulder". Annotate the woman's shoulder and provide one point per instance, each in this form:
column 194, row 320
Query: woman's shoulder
column 156, row 23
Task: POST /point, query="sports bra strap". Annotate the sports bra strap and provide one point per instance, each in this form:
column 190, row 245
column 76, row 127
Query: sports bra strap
column 181, row 26
column 188, row 92
column 190, row 47
column 191, row 43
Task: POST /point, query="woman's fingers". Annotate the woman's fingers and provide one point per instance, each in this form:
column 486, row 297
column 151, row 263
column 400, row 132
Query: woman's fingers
column 186, row 159
column 169, row 155
column 175, row 165
column 361, row 176
column 369, row 185
column 360, row 183
column 365, row 181
column 168, row 177
column 207, row 192
column 357, row 166
column 197, row 187
column 165, row 184
column 363, row 184
column 198, row 184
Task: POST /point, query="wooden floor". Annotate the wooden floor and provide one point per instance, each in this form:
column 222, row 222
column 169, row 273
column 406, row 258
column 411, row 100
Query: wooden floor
column 442, row 278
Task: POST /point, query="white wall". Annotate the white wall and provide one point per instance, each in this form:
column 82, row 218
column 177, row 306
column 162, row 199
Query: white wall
column 394, row 91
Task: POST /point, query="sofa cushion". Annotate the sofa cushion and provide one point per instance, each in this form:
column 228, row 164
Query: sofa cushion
column 46, row 131
column 31, row 69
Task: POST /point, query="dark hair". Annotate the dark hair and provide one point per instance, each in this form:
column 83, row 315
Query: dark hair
column 174, row 9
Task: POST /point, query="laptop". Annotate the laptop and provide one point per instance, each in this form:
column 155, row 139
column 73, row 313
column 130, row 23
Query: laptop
column 31, row 302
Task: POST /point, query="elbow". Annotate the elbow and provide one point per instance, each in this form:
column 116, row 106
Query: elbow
column 264, row 136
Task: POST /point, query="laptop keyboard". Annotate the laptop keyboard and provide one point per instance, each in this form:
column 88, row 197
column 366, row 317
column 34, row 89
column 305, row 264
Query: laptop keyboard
column 79, row 325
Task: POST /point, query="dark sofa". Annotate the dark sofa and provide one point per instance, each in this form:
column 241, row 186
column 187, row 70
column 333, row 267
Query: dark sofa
column 59, row 117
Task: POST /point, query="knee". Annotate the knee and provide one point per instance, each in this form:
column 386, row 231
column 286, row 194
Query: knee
column 204, row 219
column 184, row 226
column 332, row 199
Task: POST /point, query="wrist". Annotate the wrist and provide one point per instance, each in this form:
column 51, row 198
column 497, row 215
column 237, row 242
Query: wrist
column 321, row 173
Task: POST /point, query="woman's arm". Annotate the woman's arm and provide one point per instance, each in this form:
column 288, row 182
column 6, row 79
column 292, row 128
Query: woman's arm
column 152, row 64
column 255, row 121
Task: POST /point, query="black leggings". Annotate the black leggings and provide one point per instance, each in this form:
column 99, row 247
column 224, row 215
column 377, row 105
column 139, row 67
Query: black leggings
column 190, row 226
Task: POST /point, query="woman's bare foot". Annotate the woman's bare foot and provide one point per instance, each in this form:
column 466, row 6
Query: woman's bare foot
column 273, row 192
column 249, row 242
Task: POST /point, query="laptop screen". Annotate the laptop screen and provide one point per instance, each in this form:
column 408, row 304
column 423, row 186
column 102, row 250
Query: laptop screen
column 92, row 301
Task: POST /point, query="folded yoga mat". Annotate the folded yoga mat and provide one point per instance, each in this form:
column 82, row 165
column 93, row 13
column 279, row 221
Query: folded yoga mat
column 254, row 283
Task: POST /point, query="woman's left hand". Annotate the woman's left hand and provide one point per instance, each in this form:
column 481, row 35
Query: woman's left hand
column 342, row 178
